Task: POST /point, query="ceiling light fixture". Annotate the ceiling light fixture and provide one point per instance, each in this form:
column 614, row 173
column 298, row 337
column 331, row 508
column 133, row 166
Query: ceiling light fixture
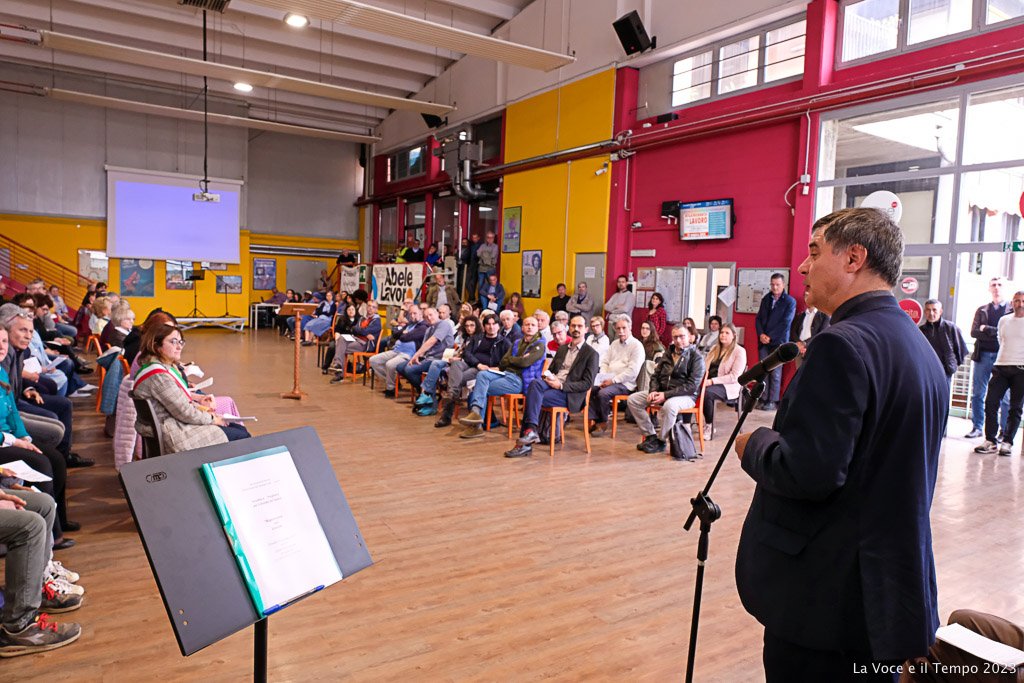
column 296, row 20
column 243, row 87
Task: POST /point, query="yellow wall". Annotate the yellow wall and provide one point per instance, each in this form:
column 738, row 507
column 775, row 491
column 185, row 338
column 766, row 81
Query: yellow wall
column 565, row 207
column 61, row 238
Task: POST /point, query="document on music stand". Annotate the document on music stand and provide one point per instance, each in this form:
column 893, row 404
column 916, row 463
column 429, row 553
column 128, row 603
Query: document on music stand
column 272, row 528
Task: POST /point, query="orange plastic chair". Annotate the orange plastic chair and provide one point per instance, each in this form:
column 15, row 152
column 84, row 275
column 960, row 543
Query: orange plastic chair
column 558, row 415
column 364, row 357
column 94, row 340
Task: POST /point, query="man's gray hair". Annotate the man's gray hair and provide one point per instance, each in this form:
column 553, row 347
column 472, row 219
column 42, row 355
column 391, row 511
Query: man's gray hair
column 557, row 325
column 9, row 313
column 871, row 229
column 612, row 321
column 933, row 302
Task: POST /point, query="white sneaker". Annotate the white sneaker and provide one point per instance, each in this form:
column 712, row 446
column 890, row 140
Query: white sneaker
column 1005, row 448
column 708, row 432
column 56, row 570
column 66, row 587
column 88, row 388
column 82, row 393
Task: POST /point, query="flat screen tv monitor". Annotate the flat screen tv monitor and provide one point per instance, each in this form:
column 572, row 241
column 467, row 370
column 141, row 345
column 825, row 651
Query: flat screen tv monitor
column 708, row 220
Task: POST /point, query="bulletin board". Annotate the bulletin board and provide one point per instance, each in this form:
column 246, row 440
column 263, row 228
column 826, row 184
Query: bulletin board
column 671, row 284
column 753, row 285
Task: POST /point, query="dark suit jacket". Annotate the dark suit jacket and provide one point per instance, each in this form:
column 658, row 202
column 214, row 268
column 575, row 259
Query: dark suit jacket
column 775, row 322
column 836, row 549
column 820, row 322
column 949, row 344
column 581, row 374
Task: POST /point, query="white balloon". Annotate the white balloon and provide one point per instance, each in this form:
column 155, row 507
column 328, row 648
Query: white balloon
column 885, row 201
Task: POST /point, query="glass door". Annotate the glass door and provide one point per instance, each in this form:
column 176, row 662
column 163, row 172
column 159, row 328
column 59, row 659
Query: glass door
column 705, row 283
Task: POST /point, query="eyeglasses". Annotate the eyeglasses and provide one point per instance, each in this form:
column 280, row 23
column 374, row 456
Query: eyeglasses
column 176, row 342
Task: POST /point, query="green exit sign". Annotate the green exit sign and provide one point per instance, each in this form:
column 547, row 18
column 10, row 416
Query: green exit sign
column 1013, row 246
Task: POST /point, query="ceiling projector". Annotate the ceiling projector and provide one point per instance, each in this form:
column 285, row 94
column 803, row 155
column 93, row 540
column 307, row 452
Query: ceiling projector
column 206, row 197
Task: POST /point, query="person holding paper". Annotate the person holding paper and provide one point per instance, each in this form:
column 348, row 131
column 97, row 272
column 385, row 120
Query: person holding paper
column 619, row 369
column 492, row 294
column 186, row 424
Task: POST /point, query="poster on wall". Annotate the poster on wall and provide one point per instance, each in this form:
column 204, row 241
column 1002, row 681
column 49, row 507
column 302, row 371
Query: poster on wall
column 645, row 278
column 753, row 284
column 670, row 283
column 229, row 284
column 532, row 262
column 213, row 265
column 349, row 279
column 264, row 273
column 511, row 227
column 176, row 274
column 137, row 277
column 393, row 282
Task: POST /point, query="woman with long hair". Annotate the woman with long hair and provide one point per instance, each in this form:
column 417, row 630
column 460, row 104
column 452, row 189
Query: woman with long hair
column 691, row 325
column 725, row 362
column 186, row 423
column 364, row 333
column 515, row 303
column 711, row 338
column 653, row 350
column 658, row 318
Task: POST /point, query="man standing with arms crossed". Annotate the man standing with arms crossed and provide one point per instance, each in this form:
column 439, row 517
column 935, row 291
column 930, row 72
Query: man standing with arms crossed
column 835, row 557
column 986, row 348
column 1007, row 374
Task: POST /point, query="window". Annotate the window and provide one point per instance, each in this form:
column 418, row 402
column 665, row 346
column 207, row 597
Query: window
column 407, row 163
column 446, row 222
column 773, row 53
column 870, row 28
column 415, row 220
column 489, row 133
column 388, row 224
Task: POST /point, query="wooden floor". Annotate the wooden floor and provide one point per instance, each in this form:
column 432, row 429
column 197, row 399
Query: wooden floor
column 570, row 568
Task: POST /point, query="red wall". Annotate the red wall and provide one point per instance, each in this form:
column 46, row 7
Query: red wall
column 754, row 167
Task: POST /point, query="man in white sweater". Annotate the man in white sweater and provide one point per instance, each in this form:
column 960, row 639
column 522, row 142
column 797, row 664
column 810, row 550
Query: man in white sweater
column 622, row 301
column 617, row 376
column 1007, row 373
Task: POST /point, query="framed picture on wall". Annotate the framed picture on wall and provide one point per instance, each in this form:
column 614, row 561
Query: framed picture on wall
column 176, row 273
column 646, row 278
column 213, row 265
column 264, row 273
column 229, row 284
column 511, row 228
column 137, row 277
column 532, row 263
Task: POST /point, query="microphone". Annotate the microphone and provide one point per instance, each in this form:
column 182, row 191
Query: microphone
column 780, row 356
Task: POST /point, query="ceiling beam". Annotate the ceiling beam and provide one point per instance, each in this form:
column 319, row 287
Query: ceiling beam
column 233, row 74
column 197, row 116
column 404, row 26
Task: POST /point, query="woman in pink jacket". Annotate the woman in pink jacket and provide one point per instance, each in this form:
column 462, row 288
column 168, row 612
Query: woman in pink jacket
column 726, row 361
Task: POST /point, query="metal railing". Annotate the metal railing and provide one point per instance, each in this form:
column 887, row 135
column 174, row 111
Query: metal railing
column 22, row 265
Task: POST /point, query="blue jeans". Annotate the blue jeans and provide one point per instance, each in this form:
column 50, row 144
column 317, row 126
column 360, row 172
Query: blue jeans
column 540, row 395
column 437, row 368
column 414, row 372
column 492, row 384
column 979, row 388
column 773, row 382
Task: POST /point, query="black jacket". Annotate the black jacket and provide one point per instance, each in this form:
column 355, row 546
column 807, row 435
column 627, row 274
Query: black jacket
column 682, row 378
column 581, row 375
column 836, row 550
column 988, row 339
column 948, row 343
column 819, row 324
column 479, row 350
column 558, row 303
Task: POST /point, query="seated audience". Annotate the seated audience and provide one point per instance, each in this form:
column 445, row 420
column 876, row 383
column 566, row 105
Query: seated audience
column 596, row 337
column 620, row 366
column 187, row 424
column 364, row 335
column 432, row 255
column 122, row 320
column 520, row 365
column 315, row 325
column 711, row 338
column 515, row 303
column 281, row 320
column 509, row 329
column 479, row 353
column 725, row 363
column 467, row 333
column 673, row 388
column 653, row 351
column 83, row 316
column 438, row 338
column 559, row 337
column 26, row 530
column 100, row 315
column 582, row 303
column 385, row 364
column 544, row 321
column 492, row 294
column 692, row 327
column 565, row 384
column 346, row 322
column 947, row 663
column 61, row 316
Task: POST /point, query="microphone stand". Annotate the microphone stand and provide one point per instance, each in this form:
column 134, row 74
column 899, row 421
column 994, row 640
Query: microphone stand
column 707, row 511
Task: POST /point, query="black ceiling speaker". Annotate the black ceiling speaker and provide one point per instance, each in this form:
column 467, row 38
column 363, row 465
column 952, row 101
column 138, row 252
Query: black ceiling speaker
column 433, row 121
column 632, row 34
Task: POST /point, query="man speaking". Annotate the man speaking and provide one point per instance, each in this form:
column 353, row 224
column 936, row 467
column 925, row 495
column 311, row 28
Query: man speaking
column 835, row 557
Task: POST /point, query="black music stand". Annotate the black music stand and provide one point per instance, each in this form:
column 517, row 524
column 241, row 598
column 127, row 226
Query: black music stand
column 199, row 580
column 195, row 276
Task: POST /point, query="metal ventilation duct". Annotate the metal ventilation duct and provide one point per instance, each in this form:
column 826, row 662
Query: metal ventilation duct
column 211, row 5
